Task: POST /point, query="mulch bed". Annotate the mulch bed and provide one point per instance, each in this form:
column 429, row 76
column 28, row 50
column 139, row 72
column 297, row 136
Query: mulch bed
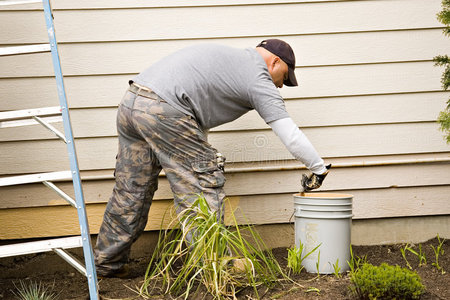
column 69, row 284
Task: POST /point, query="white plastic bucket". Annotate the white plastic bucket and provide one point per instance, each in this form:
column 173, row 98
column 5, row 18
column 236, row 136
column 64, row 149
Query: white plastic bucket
column 324, row 219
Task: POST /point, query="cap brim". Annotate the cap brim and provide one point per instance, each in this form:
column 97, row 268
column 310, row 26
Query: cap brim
column 292, row 80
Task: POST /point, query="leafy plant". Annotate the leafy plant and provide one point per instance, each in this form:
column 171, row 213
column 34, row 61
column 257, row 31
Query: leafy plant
column 355, row 261
column 444, row 60
column 438, row 251
column 386, row 282
column 207, row 253
column 34, row 291
column 296, row 258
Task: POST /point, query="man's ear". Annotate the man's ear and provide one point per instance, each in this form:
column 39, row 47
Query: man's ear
column 276, row 61
column 273, row 61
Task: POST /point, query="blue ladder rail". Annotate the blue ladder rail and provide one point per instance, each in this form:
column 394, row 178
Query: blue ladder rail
column 79, row 198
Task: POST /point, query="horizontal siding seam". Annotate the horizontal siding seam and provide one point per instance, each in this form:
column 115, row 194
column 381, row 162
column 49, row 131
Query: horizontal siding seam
column 302, row 167
column 297, row 67
column 235, row 131
column 187, row 6
column 261, row 36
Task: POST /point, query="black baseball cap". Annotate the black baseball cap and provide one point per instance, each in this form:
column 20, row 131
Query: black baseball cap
column 284, row 51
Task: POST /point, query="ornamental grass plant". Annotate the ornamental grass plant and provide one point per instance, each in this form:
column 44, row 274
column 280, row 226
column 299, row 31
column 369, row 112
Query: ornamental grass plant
column 207, row 255
column 34, row 291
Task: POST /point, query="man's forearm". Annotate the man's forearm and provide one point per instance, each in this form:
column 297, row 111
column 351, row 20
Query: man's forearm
column 298, row 144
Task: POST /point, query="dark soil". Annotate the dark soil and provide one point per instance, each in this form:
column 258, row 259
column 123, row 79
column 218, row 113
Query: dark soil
column 69, row 284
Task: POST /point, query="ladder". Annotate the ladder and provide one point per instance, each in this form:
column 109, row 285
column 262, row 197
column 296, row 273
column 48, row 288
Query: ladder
column 45, row 116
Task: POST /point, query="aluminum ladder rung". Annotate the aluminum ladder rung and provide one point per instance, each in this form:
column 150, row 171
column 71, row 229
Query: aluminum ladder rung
column 41, row 246
column 27, row 49
column 43, row 116
column 35, row 178
column 29, row 113
column 28, row 122
column 14, row 2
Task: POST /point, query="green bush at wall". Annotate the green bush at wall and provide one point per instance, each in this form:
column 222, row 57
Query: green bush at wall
column 386, row 282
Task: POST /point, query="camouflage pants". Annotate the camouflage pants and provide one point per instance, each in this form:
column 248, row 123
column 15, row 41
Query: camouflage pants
column 153, row 136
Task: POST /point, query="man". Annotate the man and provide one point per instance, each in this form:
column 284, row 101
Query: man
column 161, row 124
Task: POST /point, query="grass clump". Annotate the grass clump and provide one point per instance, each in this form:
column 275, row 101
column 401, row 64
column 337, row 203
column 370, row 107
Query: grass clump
column 420, row 255
column 336, row 269
column 355, row 261
column 296, row 256
column 386, row 282
column 34, row 291
column 438, row 251
column 207, row 255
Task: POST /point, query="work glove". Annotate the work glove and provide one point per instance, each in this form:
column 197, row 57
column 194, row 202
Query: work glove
column 313, row 181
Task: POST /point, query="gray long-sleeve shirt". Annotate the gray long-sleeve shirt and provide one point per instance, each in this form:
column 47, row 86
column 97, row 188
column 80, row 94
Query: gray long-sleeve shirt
column 215, row 84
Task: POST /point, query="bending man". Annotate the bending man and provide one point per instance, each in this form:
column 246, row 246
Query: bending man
column 162, row 123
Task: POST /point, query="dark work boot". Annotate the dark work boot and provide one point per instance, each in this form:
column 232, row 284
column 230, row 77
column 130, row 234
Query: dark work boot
column 123, row 273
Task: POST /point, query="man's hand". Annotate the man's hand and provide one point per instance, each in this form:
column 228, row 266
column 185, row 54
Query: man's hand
column 313, row 181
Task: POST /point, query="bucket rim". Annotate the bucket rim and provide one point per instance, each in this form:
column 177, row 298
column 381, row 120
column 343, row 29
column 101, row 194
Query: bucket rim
column 297, row 202
column 325, row 210
column 323, row 195
column 334, row 217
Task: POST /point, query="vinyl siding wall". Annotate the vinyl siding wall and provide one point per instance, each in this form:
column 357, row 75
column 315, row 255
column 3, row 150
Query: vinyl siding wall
column 368, row 100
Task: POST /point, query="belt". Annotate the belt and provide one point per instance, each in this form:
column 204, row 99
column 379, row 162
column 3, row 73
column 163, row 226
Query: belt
column 144, row 92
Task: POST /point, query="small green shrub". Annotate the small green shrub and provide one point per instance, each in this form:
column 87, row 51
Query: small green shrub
column 386, row 282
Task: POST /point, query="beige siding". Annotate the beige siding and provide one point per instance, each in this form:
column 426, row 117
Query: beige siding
column 264, row 180
column 315, row 82
column 214, row 21
column 368, row 100
column 356, row 110
column 314, row 50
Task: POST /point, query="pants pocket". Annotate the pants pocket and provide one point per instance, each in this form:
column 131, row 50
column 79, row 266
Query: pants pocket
column 208, row 174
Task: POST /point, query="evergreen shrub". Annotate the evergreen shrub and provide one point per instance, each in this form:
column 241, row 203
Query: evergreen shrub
column 386, row 282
